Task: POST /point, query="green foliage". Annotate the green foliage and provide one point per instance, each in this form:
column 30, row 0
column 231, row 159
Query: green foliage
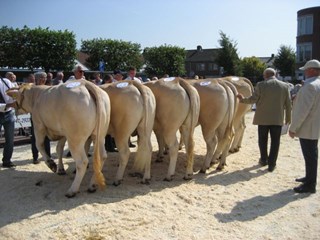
column 228, row 55
column 37, row 48
column 252, row 68
column 285, row 61
column 117, row 54
column 165, row 59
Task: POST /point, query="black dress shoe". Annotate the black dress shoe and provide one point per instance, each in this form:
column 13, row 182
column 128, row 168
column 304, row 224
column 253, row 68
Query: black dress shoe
column 263, row 163
column 271, row 168
column 8, row 165
column 36, row 161
column 304, row 189
column 303, row 179
column 112, row 150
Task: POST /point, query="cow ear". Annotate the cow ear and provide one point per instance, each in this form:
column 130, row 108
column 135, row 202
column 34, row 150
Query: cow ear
column 14, row 93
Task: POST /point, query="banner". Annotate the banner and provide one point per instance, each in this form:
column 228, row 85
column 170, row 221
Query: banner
column 22, row 121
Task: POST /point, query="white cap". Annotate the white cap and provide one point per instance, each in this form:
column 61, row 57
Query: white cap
column 311, row 64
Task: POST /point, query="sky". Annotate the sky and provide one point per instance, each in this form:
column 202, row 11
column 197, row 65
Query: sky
column 258, row 27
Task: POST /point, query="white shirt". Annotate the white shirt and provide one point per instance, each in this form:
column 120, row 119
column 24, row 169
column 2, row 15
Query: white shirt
column 134, row 78
column 6, row 98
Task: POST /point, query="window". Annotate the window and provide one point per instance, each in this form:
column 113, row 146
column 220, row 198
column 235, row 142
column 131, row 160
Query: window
column 304, row 52
column 201, row 67
column 213, row 67
column 305, row 25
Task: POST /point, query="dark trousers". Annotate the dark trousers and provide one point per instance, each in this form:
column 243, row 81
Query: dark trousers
column 275, row 134
column 310, row 153
column 109, row 143
column 35, row 152
column 7, row 121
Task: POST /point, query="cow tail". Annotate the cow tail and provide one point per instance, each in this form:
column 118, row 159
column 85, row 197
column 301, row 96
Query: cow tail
column 97, row 165
column 142, row 155
column 194, row 109
column 229, row 130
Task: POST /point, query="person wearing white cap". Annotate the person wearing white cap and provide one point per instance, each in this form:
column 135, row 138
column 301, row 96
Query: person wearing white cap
column 273, row 106
column 306, row 124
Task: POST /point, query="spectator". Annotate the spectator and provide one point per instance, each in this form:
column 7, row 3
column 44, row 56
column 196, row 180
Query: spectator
column 117, row 75
column 49, row 79
column 59, row 78
column 107, row 78
column 30, row 78
column 40, row 79
column 132, row 75
column 78, row 72
column 12, row 77
column 306, row 124
column 7, row 120
column 272, row 98
column 97, row 79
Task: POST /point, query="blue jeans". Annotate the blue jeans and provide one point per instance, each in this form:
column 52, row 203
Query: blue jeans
column 7, row 120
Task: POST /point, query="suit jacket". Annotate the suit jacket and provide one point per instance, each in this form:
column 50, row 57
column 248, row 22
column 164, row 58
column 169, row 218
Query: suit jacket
column 272, row 99
column 306, row 110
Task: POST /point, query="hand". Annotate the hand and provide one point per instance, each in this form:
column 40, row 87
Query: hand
column 240, row 96
column 9, row 105
column 292, row 134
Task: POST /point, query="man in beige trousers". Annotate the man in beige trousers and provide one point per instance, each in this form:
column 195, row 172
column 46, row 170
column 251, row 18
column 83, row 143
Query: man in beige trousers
column 272, row 99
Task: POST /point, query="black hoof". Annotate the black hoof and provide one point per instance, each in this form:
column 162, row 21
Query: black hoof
column 52, row 165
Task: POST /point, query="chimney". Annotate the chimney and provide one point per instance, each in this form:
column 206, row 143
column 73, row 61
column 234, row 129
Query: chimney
column 199, row 48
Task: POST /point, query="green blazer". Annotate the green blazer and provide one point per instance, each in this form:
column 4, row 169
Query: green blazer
column 273, row 102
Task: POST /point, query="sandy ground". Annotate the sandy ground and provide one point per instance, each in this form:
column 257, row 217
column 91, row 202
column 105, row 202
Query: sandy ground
column 244, row 201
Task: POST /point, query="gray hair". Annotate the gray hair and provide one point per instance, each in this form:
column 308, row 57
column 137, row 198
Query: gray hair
column 270, row 71
column 9, row 74
column 39, row 75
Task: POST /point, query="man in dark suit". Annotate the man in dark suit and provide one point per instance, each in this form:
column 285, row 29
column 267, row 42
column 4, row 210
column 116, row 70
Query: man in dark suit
column 272, row 99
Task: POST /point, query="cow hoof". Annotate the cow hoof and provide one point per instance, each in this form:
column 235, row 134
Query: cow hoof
column 168, row 179
column 159, row 160
column 92, row 189
column 146, row 181
column 70, row 195
column 117, row 183
column 136, row 174
column 220, row 168
column 188, row 177
column 61, row 172
column 52, row 165
column 232, row 151
column 202, row 171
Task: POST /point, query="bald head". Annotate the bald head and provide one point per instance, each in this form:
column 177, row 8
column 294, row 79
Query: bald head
column 268, row 73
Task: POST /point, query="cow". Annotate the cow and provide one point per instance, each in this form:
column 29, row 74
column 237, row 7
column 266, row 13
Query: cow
column 133, row 107
column 243, row 86
column 218, row 104
column 178, row 106
column 73, row 111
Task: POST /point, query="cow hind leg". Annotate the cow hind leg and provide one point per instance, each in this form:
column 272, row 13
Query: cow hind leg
column 143, row 155
column 59, row 149
column 189, row 143
column 211, row 143
column 173, row 145
column 80, row 157
column 124, row 154
column 40, row 146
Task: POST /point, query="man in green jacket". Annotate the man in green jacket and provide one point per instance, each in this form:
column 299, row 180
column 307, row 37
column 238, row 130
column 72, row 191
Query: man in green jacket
column 273, row 104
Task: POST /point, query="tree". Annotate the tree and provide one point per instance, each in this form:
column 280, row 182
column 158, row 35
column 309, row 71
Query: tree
column 285, row 61
column 252, row 68
column 116, row 54
column 165, row 59
column 227, row 55
column 37, row 48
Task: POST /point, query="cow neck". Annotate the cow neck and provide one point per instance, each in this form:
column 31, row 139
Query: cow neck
column 21, row 101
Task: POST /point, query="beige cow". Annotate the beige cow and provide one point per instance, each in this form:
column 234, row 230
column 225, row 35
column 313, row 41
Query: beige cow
column 243, row 86
column 133, row 108
column 74, row 111
column 218, row 105
column 177, row 107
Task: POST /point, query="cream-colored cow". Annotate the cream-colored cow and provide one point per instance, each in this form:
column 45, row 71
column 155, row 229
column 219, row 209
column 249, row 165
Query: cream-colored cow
column 133, row 108
column 177, row 107
column 73, row 111
column 243, row 86
column 218, row 104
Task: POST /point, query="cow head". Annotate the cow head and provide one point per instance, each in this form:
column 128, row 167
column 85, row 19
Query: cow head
column 18, row 95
